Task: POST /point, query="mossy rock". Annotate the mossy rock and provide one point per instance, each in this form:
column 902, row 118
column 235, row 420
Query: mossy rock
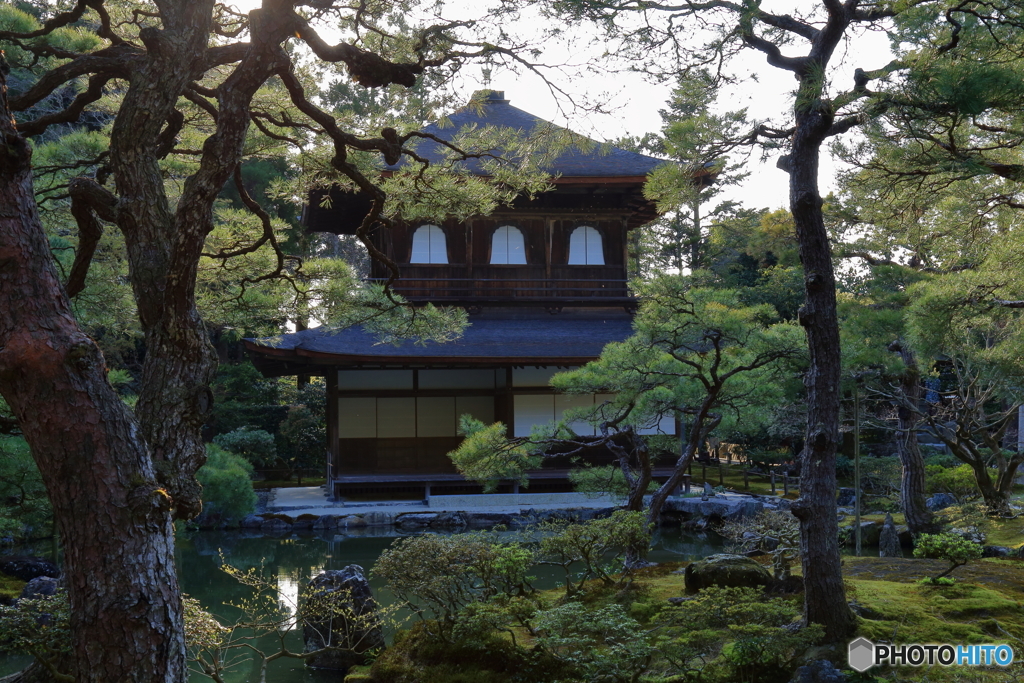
column 726, row 571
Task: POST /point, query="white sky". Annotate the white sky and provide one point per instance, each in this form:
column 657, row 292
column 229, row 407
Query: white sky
column 634, row 103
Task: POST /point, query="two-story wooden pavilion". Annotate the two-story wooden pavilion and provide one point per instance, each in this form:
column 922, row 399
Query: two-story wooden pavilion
column 545, row 282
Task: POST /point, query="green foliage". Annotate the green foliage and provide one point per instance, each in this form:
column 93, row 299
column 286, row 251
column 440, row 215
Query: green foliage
column 439, row 576
column 39, row 627
column 700, row 139
column 756, row 637
column 603, row 480
column 227, row 485
column 959, row 481
column 25, row 511
column 255, row 445
column 594, row 550
column 954, row 549
column 488, row 457
column 603, row 644
column 417, row 656
column 772, row 531
column 304, row 437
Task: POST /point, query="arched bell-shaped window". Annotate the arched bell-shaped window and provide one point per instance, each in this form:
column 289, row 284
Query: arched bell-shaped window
column 585, row 247
column 507, row 246
column 429, row 245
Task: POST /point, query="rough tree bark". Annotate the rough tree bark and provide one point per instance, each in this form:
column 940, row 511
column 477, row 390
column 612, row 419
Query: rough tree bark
column 110, row 510
column 814, row 118
column 920, row 519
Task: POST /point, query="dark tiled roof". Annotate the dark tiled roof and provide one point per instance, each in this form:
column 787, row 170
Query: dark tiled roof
column 497, row 336
column 600, row 160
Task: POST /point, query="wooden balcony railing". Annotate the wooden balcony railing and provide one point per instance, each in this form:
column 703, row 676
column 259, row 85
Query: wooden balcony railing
column 511, row 290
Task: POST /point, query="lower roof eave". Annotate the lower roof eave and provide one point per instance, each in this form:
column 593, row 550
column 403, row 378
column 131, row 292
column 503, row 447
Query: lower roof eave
column 283, row 363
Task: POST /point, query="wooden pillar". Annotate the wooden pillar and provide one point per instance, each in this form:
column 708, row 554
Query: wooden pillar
column 331, row 447
column 773, row 482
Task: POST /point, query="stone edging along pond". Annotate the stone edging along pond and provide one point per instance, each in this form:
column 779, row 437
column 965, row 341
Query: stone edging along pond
column 676, row 511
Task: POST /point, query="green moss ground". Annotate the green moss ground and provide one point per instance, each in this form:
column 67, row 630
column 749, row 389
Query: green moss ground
column 10, row 588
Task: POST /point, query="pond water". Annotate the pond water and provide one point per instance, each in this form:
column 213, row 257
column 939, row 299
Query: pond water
column 288, row 562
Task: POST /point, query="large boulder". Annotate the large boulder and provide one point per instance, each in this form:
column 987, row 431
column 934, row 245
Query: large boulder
column 338, row 611
column 725, row 571
column 27, row 568
column 940, row 501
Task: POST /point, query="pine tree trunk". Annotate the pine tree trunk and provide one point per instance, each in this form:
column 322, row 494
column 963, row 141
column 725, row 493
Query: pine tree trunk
column 824, row 594
column 113, row 518
column 920, row 519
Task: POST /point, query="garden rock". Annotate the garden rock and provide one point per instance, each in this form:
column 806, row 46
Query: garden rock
column 870, row 532
column 449, row 520
column 305, row 522
column 819, row 671
column 725, row 571
column 251, row 522
column 847, row 497
column 970, row 533
column 940, row 501
column 726, row 508
column 416, row 520
column 889, row 539
column 39, row 587
column 353, row 522
column 996, row 551
column 327, row 522
column 379, row 518
column 275, row 524
column 489, row 519
column 339, row 611
column 27, row 568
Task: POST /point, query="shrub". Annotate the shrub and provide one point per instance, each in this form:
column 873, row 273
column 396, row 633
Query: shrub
column 772, row 531
column 603, row 644
column 255, row 445
column 959, row 480
column 756, row 637
column 304, row 437
column 227, row 485
column 950, row 547
column 439, row 576
column 38, row 627
column 598, row 545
